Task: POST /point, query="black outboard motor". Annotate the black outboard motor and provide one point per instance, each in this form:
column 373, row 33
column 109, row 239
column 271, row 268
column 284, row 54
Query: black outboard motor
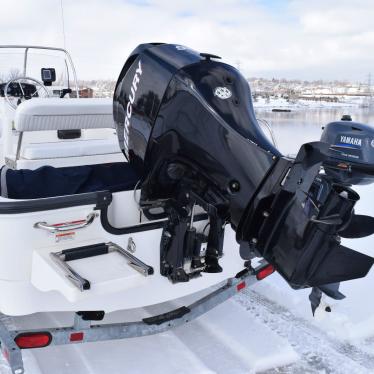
column 185, row 120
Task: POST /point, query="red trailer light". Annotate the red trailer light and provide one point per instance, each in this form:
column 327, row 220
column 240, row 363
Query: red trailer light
column 33, row 340
column 240, row 286
column 265, row 272
column 76, row 336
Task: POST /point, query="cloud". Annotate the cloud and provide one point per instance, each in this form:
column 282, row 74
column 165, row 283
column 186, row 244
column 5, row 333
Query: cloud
column 298, row 39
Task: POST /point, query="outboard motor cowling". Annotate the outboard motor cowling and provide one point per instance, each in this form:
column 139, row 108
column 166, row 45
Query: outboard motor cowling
column 185, row 103
column 352, row 152
column 185, row 120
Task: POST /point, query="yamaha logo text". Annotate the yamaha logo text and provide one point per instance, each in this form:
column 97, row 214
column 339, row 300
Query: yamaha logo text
column 350, row 140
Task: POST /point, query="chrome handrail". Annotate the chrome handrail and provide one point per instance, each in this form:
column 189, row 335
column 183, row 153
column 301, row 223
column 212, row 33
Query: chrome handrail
column 68, row 226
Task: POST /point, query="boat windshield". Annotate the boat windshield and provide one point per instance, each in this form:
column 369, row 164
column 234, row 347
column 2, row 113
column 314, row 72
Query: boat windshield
column 28, row 61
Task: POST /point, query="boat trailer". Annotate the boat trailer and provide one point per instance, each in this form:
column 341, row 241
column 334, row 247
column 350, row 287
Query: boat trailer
column 83, row 331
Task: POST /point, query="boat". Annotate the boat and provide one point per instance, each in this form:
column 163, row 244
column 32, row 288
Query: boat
column 281, row 110
column 175, row 191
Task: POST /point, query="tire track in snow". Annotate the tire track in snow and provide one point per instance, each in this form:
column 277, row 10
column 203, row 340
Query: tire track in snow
column 318, row 350
column 368, row 345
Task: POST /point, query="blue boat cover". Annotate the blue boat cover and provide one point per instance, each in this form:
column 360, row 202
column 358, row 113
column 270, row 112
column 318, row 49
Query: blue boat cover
column 48, row 181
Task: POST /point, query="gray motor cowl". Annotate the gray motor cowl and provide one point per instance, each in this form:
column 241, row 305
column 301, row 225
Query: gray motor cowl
column 352, row 152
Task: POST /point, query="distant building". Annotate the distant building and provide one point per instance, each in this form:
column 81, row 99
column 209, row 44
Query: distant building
column 85, row 92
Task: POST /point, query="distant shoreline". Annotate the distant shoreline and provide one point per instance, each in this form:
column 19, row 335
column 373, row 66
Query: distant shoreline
column 282, row 104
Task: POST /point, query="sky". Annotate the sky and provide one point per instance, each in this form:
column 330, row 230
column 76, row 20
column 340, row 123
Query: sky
column 297, row 39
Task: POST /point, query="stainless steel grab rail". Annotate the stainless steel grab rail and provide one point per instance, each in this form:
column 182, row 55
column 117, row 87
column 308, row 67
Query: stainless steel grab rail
column 68, row 226
column 80, row 282
column 62, row 257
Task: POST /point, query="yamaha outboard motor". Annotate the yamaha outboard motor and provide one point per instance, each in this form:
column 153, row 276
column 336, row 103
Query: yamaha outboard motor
column 185, row 120
column 351, row 153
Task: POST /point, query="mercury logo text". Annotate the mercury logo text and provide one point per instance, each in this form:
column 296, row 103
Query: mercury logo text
column 132, row 95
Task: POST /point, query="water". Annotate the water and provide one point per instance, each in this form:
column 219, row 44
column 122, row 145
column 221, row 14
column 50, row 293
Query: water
column 301, row 126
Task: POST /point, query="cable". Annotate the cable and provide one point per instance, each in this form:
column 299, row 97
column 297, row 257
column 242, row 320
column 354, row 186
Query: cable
column 206, row 226
column 134, row 195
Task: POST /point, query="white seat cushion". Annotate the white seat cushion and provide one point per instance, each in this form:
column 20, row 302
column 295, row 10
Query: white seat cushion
column 43, row 114
column 74, row 148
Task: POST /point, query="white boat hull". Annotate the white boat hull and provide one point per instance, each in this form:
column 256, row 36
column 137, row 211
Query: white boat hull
column 31, row 282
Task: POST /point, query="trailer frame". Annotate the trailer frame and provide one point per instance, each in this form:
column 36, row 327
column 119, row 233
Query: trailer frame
column 83, row 331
